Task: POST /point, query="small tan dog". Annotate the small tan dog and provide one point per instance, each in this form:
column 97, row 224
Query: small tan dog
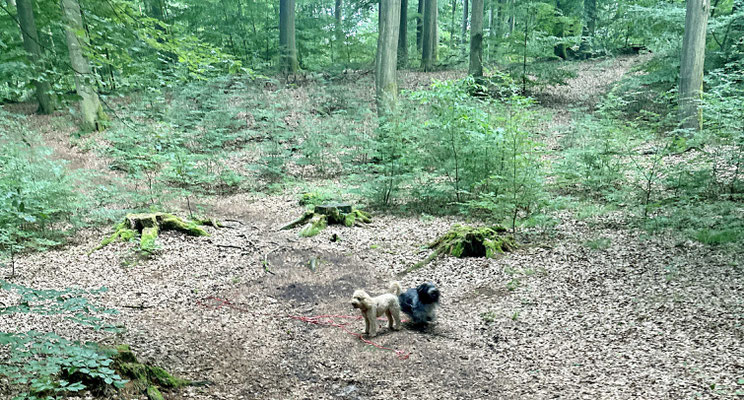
column 373, row 307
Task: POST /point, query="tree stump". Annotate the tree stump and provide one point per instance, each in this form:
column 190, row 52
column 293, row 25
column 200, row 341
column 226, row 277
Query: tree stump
column 467, row 241
column 313, row 222
column 149, row 225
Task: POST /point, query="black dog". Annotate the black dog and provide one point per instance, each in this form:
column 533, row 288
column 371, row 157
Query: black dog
column 420, row 303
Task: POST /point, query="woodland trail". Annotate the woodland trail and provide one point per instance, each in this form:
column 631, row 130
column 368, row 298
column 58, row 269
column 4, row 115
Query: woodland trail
column 639, row 317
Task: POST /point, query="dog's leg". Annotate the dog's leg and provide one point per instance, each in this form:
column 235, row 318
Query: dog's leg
column 395, row 322
column 366, row 322
column 389, row 316
column 372, row 318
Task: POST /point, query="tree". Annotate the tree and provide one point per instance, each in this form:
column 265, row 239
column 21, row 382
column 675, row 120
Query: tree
column 90, row 105
column 403, row 35
column 337, row 27
column 420, row 25
column 287, row 46
column 386, row 59
column 465, row 21
column 476, row 39
column 31, row 44
column 691, row 70
column 428, row 41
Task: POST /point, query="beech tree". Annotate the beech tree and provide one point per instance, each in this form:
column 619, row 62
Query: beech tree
column 403, row 35
column 386, row 58
column 428, row 40
column 476, row 39
column 691, row 70
column 287, row 46
column 91, row 111
column 31, row 44
column 465, row 21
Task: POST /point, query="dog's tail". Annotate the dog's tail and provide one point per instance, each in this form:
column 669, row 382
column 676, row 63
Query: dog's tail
column 395, row 288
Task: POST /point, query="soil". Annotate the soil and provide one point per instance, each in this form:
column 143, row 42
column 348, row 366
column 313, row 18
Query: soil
column 645, row 317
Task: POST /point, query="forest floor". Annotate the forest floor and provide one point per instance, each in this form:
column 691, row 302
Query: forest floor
column 589, row 308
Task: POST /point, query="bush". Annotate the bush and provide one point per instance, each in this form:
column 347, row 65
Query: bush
column 37, row 202
column 44, row 365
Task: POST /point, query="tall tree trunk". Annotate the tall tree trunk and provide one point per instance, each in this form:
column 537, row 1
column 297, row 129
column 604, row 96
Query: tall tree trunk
column 403, row 35
column 590, row 16
column 31, row 44
column 435, row 42
column 90, row 105
column 337, row 27
column 476, row 39
column 387, row 54
column 510, row 21
column 465, row 21
column 287, row 46
column 420, row 25
column 691, row 71
column 453, row 28
column 427, row 41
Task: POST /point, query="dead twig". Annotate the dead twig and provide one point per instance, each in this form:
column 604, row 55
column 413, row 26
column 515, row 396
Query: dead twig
column 139, row 307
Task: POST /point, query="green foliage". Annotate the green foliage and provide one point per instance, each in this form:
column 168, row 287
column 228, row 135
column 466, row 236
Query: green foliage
column 44, row 365
column 37, row 202
column 599, row 243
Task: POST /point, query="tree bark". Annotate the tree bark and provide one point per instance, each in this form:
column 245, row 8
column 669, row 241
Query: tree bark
column 31, row 44
column 429, row 36
column 691, row 71
column 453, row 28
column 465, row 21
column 420, row 25
column 435, row 42
column 287, row 46
column 476, row 39
column 590, row 16
column 386, row 59
column 338, row 27
column 91, row 111
column 403, row 35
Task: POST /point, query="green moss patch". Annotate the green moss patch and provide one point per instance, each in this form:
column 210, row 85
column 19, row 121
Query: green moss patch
column 467, row 241
column 143, row 378
column 149, row 225
column 313, row 222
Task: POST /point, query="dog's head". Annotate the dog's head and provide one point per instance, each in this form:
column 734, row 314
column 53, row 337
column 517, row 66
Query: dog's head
column 428, row 293
column 360, row 300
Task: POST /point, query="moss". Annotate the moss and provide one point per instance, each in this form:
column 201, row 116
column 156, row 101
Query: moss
column 350, row 220
column 307, row 216
column 317, row 224
column 168, row 221
column 466, row 241
column 134, row 371
column 153, row 393
column 149, row 224
column 163, row 379
column 124, row 354
column 147, row 241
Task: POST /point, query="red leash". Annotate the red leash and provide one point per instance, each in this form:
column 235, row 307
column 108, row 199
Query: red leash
column 322, row 320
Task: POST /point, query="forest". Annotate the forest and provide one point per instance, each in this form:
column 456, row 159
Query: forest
column 197, row 196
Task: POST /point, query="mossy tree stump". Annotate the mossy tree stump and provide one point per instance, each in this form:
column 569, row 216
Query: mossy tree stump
column 143, row 378
column 149, row 225
column 467, row 241
column 313, row 222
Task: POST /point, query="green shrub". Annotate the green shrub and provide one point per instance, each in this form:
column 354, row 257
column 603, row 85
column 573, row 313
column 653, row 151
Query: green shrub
column 44, row 365
column 38, row 205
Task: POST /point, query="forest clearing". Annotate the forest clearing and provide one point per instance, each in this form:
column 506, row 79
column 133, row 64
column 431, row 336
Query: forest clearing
column 192, row 224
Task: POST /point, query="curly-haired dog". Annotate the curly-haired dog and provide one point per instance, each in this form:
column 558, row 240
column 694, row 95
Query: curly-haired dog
column 373, row 307
column 420, row 303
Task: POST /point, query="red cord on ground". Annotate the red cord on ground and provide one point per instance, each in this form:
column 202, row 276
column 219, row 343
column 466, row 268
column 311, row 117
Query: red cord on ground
column 323, row 320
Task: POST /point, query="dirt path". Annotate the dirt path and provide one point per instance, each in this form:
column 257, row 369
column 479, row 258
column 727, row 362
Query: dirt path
column 642, row 318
